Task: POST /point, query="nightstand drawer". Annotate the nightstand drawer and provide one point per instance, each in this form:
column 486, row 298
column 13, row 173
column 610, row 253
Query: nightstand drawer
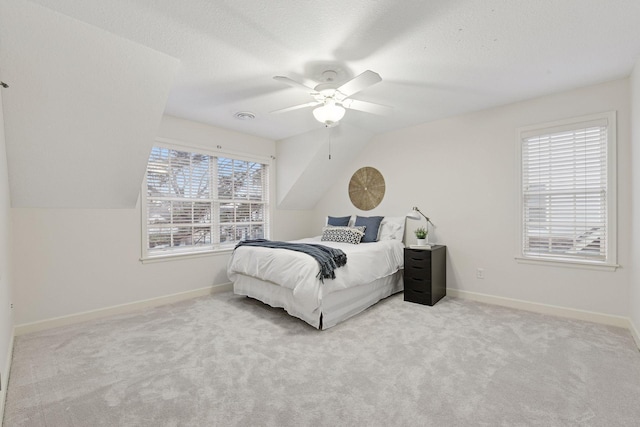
column 417, row 270
column 422, row 284
column 416, row 257
column 413, row 295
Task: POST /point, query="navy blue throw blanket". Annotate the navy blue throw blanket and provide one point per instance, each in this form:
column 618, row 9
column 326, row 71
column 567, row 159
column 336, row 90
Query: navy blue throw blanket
column 328, row 258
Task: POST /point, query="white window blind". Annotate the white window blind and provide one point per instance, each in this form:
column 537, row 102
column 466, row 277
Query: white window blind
column 565, row 192
column 200, row 201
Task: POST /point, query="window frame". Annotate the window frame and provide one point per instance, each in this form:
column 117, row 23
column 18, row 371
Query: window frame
column 610, row 261
column 190, row 251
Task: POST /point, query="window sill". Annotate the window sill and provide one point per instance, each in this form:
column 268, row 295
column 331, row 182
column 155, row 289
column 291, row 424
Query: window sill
column 182, row 256
column 567, row 263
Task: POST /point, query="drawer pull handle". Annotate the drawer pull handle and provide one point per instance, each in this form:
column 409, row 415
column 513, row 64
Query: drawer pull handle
column 417, row 259
column 419, row 279
column 417, row 291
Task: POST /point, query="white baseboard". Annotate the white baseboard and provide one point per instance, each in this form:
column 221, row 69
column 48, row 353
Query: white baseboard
column 5, row 379
column 118, row 309
column 553, row 310
column 634, row 333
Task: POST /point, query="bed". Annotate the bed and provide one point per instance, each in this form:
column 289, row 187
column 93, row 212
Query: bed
column 288, row 279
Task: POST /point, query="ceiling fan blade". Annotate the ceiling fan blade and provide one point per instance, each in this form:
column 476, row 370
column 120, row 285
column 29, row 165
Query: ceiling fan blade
column 359, row 82
column 367, row 107
column 296, row 107
column 295, row 84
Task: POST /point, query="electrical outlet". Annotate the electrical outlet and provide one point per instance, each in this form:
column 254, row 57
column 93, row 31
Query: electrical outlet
column 480, row 273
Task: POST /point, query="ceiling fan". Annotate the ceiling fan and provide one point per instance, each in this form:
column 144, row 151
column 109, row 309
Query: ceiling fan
column 331, row 99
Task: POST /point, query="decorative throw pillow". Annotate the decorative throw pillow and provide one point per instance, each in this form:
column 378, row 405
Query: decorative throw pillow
column 351, row 235
column 338, row 221
column 373, row 226
column 392, row 228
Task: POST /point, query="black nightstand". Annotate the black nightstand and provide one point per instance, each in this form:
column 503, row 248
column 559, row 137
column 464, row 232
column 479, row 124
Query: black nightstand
column 425, row 274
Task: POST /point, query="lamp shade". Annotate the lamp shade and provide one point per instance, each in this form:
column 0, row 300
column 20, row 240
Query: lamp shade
column 329, row 113
column 413, row 214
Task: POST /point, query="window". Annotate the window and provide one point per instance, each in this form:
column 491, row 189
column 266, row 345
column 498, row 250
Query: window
column 199, row 201
column 567, row 191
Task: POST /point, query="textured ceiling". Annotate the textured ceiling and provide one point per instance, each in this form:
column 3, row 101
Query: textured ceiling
column 436, row 58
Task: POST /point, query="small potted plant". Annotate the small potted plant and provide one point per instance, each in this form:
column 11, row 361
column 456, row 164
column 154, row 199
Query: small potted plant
column 421, row 236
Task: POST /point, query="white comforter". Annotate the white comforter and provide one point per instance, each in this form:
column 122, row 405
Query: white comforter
column 298, row 271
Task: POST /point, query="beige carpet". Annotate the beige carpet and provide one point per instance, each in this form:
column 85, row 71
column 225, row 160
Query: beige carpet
column 226, row 360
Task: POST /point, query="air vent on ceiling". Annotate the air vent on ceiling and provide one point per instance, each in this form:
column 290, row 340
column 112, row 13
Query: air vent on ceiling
column 244, row 115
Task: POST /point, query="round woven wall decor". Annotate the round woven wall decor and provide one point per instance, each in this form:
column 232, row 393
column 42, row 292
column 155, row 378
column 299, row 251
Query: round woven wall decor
column 366, row 188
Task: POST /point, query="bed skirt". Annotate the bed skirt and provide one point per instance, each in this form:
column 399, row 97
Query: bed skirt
column 334, row 307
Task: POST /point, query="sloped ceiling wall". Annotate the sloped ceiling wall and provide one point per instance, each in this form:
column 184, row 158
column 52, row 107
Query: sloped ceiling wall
column 82, row 110
column 304, row 170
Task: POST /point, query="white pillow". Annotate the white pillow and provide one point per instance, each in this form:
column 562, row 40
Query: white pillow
column 392, row 228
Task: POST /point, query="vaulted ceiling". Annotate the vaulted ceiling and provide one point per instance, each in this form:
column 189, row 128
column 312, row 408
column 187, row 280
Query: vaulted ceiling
column 205, row 60
column 81, row 112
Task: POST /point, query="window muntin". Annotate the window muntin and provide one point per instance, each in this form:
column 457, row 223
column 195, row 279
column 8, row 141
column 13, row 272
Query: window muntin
column 567, row 191
column 197, row 201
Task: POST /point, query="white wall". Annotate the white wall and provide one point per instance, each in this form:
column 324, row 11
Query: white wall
column 305, row 171
column 462, row 173
column 68, row 261
column 634, row 282
column 6, row 313
column 101, row 79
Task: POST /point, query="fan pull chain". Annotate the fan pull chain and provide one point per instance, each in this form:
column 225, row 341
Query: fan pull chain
column 329, row 141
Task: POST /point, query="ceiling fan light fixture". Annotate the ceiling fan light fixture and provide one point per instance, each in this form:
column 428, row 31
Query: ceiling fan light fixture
column 333, row 98
column 329, row 114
